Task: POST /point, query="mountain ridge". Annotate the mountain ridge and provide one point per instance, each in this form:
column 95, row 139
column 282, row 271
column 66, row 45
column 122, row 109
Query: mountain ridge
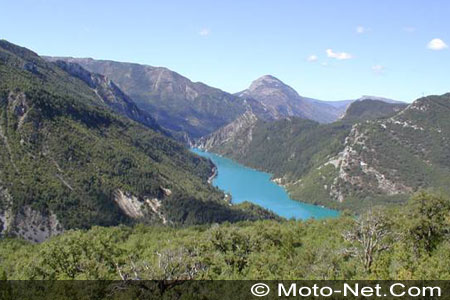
column 191, row 110
column 111, row 94
column 176, row 102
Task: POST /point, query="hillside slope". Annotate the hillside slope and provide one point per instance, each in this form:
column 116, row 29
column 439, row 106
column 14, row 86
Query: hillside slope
column 110, row 94
column 177, row 103
column 374, row 156
column 369, row 109
column 69, row 161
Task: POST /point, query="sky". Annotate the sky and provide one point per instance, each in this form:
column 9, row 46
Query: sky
column 328, row 50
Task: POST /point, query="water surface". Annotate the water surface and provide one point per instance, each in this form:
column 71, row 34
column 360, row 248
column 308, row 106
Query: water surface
column 246, row 184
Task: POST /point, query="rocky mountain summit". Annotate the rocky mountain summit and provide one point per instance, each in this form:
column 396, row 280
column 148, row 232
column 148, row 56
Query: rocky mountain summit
column 281, row 100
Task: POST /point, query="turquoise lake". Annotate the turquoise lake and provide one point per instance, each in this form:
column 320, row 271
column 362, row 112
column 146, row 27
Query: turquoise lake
column 246, row 184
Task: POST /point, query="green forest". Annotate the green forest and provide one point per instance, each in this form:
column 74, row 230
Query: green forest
column 402, row 243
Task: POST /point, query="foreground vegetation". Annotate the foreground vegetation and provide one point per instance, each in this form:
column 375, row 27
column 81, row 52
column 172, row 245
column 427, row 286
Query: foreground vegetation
column 408, row 242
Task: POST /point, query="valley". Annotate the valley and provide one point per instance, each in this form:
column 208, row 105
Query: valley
column 245, row 184
column 221, row 149
column 77, row 152
column 260, row 184
column 369, row 157
column 352, row 154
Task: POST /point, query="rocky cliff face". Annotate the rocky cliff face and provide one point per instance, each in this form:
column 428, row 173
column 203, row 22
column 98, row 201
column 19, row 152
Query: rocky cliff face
column 356, row 167
column 281, row 101
column 177, row 103
column 110, row 94
column 28, row 223
column 237, row 134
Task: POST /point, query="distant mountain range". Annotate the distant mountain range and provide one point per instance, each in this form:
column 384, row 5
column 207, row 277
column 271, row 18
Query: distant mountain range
column 191, row 110
column 177, row 103
column 110, row 94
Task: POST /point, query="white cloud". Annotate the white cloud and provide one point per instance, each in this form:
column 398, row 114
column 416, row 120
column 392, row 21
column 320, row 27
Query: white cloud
column 437, row 44
column 360, row 29
column 338, row 55
column 324, row 64
column 312, row 58
column 378, row 69
column 204, row 32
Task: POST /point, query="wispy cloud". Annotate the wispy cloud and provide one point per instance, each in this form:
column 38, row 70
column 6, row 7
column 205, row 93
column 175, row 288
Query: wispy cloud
column 361, row 29
column 378, row 69
column 437, row 44
column 338, row 55
column 204, row 32
column 312, row 58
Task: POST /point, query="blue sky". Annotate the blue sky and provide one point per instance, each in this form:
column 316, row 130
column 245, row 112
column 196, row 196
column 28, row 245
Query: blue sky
column 329, row 50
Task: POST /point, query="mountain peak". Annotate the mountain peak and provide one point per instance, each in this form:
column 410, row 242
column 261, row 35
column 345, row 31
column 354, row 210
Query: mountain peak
column 268, row 77
column 267, row 81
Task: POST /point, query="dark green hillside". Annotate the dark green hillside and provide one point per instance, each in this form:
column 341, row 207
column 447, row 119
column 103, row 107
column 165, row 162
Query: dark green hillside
column 371, row 110
column 351, row 164
column 385, row 160
column 290, row 147
column 67, row 161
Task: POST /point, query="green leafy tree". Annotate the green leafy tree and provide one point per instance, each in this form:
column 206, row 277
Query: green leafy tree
column 427, row 221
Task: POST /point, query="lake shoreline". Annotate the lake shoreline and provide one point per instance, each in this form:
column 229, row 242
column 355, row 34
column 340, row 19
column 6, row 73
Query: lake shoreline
column 247, row 184
column 214, row 174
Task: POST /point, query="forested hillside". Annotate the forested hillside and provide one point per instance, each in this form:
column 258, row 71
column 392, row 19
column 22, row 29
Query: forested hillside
column 379, row 153
column 67, row 160
column 371, row 109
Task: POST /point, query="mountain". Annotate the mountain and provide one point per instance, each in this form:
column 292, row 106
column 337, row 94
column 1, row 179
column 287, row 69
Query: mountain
column 370, row 157
column 176, row 102
column 377, row 98
column 110, row 94
column 69, row 160
column 233, row 138
column 190, row 110
column 369, row 109
column 281, row 101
